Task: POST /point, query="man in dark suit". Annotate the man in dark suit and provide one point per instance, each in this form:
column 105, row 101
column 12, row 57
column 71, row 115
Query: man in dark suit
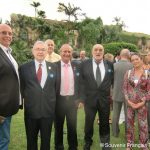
column 38, row 86
column 9, row 85
column 97, row 78
column 67, row 99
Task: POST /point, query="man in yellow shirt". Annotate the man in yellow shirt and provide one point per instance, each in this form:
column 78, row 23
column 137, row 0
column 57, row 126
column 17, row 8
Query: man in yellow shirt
column 51, row 56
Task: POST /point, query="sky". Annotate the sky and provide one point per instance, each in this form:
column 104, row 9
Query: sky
column 134, row 13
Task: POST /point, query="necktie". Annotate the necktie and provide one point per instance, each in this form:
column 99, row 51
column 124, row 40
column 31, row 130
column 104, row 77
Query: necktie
column 9, row 55
column 66, row 77
column 39, row 73
column 98, row 75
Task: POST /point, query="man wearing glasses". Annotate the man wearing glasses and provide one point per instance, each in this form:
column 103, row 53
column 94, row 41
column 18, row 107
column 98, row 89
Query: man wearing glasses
column 38, row 87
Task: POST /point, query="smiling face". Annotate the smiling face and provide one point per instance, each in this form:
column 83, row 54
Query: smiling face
column 98, row 52
column 66, row 53
column 39, row 51
column 5, row 35
column 136, row 61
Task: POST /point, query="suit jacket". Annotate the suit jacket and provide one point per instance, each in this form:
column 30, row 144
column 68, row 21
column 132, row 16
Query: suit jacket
column 76, row 72
column 38, row 102
column 9, row 87
column 120, row 69
column 91, row 93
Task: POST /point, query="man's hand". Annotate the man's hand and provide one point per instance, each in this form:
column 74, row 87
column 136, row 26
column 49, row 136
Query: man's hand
column 2, row 119
column 136, row 106
column 140, row 104
column 80, row 105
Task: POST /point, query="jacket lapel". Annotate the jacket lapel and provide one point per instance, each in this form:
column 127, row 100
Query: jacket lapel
column 7, row 60
column 106, row 70
column 91, row 71
column 33, row 72
column 90, row 66
column 49, row 73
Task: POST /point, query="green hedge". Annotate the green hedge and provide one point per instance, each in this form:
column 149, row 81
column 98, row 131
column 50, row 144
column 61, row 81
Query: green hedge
column 115, row 47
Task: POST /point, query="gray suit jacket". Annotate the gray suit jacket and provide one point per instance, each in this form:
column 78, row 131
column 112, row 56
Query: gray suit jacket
column 120, row 69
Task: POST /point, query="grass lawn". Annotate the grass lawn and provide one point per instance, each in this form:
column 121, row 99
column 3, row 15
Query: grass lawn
column 18, row 136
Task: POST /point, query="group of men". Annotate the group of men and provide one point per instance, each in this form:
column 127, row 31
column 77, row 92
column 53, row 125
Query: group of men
column 51, row 92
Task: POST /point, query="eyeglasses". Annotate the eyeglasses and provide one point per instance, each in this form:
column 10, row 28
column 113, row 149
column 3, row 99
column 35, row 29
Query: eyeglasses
column 40, row 50
column 6, row 33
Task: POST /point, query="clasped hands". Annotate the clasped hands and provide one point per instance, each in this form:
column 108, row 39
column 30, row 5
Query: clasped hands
column 136, row 105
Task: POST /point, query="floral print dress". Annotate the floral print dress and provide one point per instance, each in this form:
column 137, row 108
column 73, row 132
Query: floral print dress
column 134, row 90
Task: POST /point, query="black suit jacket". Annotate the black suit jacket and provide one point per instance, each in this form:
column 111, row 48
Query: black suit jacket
column 38, row 102
column 9, row 87
column 76, row 73
column 90, row 91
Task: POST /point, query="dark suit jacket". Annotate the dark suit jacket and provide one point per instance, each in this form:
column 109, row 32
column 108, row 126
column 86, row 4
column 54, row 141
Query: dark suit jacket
column 9, row 87
column 90, row 91
column 38, row 102
column 76, row 72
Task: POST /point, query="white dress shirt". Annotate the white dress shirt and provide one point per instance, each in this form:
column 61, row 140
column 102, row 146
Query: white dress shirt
column 44, row 71
column 102, row 69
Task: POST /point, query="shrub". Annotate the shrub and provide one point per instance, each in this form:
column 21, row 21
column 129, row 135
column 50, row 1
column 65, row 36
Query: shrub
column 115, row 47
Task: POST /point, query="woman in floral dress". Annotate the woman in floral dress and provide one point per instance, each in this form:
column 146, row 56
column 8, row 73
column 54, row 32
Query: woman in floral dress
column 137, row 92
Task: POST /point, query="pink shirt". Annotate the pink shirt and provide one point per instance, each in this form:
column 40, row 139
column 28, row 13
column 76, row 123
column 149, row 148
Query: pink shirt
column 70, row 80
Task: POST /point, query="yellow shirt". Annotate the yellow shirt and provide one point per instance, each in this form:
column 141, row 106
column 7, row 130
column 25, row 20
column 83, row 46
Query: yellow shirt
column 53, row 57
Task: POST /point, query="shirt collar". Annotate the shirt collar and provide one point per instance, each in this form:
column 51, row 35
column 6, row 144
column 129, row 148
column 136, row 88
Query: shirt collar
column 5, row 48
column 96, row 63
column 37, row 63
column 63, row 64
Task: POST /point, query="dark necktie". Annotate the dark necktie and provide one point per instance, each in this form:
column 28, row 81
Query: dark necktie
column 98, row 75
column 39, row 73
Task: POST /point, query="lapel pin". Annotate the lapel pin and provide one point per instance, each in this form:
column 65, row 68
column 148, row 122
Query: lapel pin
column 49, row 67
column 109, row 70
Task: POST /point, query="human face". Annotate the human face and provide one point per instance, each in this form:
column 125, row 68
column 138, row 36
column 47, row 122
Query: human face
column 39, row 51
column 82, row 55
column 98, row 52
column 136, row 61
column 148, row 58
column 5, row 35
column 66, row 53
column 50, row 44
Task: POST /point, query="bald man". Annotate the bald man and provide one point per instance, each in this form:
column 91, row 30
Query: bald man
column 97, row 78
column 68, row 97
column 9, row 85
column 120, row 69
column 51, row 56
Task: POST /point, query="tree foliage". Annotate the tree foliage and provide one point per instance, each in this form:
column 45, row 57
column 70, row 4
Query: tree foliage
column 35, row 5
column 89, row 32
column 115, row 47
column 41, row 14
column 70, row 11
